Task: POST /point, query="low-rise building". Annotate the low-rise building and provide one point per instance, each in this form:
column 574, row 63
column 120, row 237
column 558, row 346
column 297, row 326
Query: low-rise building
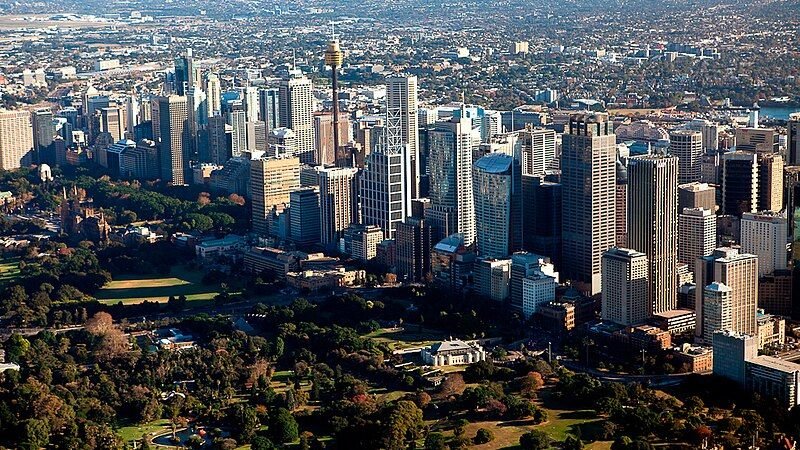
column 230, row 246
column 774, row 378
column 273, row 261
column 557, row 316
column 314, row 280
column 454, row 352
column 771, row 330
column 697, row 359
column 676, row 321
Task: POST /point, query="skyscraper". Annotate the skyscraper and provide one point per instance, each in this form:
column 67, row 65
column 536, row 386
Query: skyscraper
column 383, row 186
column 170, row 132
column 737, row 271
column 213, row 94
column 770, row 182
column 217, row 148
column 697, row 235
column 338, row 193
column 271, row 182
column 111, row 122
column 323, row 135
column 252, row 107
column 653, row 224
column 687, row 145
column 739, row 183
column 43, row 132
column 625, row 287
column 588, row 162
column 496, row 194
column 450, row 169
column 237, row 119
column 793, row 140
column 414, row 240
column 269, row 102
column 184, row 72
column 697, row 195
column 304, row 216
column 296, row 107
column 621, row 206
column 16, row 139
column 538, row 149
column 401, row 94
column 765, row 235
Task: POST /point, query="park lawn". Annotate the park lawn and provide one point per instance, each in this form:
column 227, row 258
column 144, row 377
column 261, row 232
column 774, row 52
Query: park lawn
column 153, row 428
column 132, row 289
column 9, row 270
column 403, row 338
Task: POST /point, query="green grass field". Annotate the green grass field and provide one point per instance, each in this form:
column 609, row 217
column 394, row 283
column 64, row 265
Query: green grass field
column 411, row 336
column 137, row 431
column 132, row 289
column 9, row 270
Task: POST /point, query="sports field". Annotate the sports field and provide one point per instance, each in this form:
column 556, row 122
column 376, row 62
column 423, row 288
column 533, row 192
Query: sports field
column 9, row 270
column 131, row 289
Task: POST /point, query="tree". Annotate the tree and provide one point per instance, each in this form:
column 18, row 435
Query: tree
column 534, row 440
column 572, row 443
column 245, row 423
column 262, row 443
column 37, row 433
column 404, row 424
column 435, row 441
column 17, row 347
column 452, row 385
column 100, row 323
column 483, row 436
column 283, row 426
column 531, row 383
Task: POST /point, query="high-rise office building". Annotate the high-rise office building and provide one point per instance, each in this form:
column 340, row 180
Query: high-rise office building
column 197, row 109
column 492, row 277
column 739, row 183
column 524, row 265
column 625, row 290
column 697, row 195
column 653, row 224
column 709, row 131
column 257, row 138
column 793, row 140
column 338, row 193
column 687, row 145
column 697, row 235
column 132, row 114
column 217, row 149
column 541, row 216
column 304, row 216
column 43, row 133
column 323, row 135
column 765, row 235
column 450, row 171
column 770, row 182
column 757, row 140
column 111, row 122
column 384, row 189
column 171, row 134
column 269, row 102
column 16, row 139
column 731, row 352
column 296, row 103
column 213, row 90
column 588, row 179
column 184, row 73
column 413, row 240
column 237, row 119
column 252, row 107
column 271, row 182
column 738, row 272
column 538, row 149
column 401, row 95
column 497, row 204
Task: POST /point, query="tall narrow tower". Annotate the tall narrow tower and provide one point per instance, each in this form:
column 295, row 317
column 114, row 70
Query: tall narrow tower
column 334, row 58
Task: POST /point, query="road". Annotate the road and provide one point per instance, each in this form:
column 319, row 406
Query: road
column 651, row 380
